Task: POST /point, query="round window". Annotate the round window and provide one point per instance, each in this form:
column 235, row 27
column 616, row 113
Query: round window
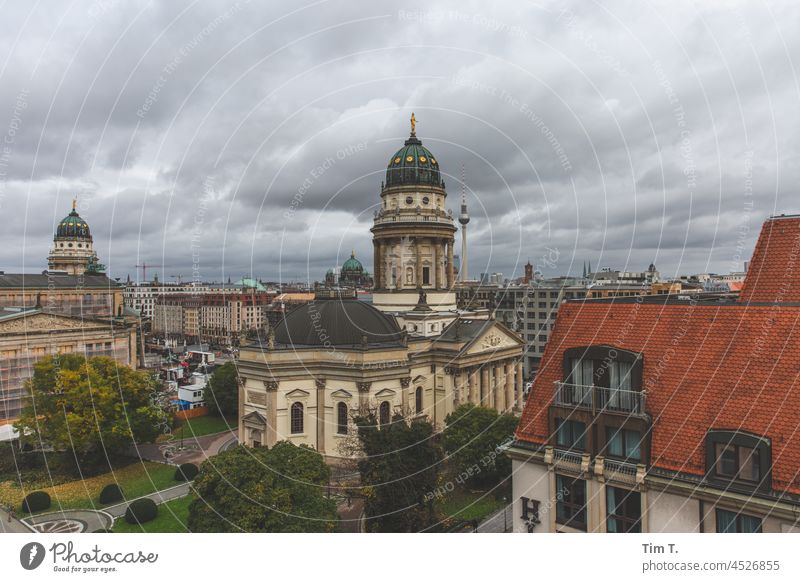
column 69, row 245
column 409, row 200
column 426, row 200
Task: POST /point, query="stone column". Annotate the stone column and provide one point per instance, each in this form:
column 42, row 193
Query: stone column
column 320, row 382
column 404, row 384
column 272, row 412
column 499, row 387
column 472, row 382
column 376, row 263
column 418, row 250
column 435, row 266
column 484, row 393
column 461, row 393
column 450, row 264
column 509, row 386
column 518, row 395
column 363, row 396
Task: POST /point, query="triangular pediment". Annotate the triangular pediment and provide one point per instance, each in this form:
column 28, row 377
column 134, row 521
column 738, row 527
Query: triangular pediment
column 254, row 418
column 28, row 322
column 297, row 393
column 494, row 337
column 385, row 393
column 341, row 394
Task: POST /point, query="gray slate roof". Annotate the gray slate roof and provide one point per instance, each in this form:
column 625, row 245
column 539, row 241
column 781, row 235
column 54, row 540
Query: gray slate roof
column 59, row 281
column 337, row 322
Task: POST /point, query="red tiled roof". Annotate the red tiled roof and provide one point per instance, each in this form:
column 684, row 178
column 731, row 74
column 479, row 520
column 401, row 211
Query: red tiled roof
column 705, row 366
column 773, row 272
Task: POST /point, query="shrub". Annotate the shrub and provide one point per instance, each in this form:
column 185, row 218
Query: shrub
column 111, row 493
column 141, row 511
column 186, row 472
column 36, row 501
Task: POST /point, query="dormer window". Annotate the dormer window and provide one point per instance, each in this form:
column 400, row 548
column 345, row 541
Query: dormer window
column 738, row 457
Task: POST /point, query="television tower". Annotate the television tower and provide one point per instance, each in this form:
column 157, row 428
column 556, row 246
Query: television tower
column 463, row 219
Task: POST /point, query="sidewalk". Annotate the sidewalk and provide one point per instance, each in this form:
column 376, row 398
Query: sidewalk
column 13, row 526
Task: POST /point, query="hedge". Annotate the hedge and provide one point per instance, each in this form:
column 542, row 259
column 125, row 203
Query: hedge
column 186, row 472
column 36, row 501
column 111, row 493
column 141, row 511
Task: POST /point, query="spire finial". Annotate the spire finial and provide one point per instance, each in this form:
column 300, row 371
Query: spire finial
column 74, row 202
column 413, row 124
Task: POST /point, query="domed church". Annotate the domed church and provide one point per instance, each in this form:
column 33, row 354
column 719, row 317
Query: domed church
column 353, row 274
column 72, row 247
column 410, row 352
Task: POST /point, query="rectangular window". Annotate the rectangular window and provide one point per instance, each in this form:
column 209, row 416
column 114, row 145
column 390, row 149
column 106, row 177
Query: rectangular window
column 426, row 275
column 571, row 502
column 623, row 443
column 737, row 462
column 624, row 510
column 732, row 522
column 570, row 434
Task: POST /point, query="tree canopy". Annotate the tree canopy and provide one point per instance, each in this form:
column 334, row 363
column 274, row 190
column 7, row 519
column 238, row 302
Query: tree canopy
column 471, row 439
column 93, row 407
column 222, row 391
column 398, row 471
column 281, row 489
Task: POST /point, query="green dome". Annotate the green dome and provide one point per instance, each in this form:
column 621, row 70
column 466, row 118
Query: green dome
column 413, row 164
column 352, row 265
column 73, row 226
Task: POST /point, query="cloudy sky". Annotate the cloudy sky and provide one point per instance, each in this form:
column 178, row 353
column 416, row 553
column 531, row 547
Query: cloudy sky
column 228, row 138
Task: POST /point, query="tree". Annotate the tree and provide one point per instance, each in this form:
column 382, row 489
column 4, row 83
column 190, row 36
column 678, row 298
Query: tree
column 472, row 437
column 91, row 407
column 281, row 489
column 398, row 471
column 222, row 392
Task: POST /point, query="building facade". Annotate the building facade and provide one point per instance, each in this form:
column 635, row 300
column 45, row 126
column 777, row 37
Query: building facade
column 27, row 335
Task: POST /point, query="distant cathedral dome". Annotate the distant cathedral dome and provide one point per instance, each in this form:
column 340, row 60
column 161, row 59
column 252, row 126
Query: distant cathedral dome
column 352, row 266
column 413, row 164
column 73, row 226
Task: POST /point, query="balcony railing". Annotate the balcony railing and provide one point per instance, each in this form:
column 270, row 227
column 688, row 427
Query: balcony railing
column 600, row 399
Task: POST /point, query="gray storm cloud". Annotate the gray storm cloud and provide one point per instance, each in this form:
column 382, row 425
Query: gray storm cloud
column 618, row 134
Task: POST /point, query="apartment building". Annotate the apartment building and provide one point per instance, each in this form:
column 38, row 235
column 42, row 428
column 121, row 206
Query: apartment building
column 670, row 413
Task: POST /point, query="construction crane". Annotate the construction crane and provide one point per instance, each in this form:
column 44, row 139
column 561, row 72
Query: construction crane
column 143, row 267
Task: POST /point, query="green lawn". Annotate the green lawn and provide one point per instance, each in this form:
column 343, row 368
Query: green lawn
column 172, row 518
column 464, row 505
column 136, row 479
column 201, row 426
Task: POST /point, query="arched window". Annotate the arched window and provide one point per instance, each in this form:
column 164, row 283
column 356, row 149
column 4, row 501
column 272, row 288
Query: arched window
column 418, row 400
column 297, row 418
column 341, row 418
column 384, row 414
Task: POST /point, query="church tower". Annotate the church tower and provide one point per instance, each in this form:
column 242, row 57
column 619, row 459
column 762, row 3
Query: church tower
column 413, row 233
column 72, row 247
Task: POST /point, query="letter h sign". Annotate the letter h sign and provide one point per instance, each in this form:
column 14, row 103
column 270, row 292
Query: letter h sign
column 530, row 513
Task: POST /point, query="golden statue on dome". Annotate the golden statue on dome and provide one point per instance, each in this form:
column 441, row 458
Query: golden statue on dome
column 413, row 124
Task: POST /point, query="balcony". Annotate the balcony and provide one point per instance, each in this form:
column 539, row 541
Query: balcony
column 599, row 399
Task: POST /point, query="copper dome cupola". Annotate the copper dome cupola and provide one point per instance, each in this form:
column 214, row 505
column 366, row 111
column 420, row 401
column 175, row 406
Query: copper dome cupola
column 73, row 226
column 413, row 164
